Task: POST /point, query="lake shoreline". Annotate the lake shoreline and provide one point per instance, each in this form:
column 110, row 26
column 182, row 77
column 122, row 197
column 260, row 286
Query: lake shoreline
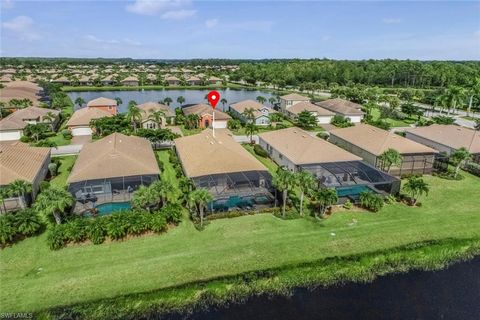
column 282, row 281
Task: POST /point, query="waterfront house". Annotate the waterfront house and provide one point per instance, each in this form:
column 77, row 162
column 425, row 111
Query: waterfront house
column 205, row 114
column 111, row 169
column 172, row 81
column 148, row 108
column 194, row 81
column 260, row 112
column 370, row 142
column 322, row 115
column 289, row 100
column 105, row 104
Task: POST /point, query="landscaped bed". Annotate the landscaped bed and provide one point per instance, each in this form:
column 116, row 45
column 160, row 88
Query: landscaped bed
column 35, row 278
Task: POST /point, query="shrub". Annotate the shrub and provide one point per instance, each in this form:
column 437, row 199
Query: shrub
column 260, row 151
column 233, row 124
column 116, row 226
column 67, row 134
column 24, row 139
column 371, row 201
column 473, row 168
column 382, row 124
column 341, row 121
column 157, row 223
column 52, row 167
column 56, row 238
column 26, row 222
column 96, row 231
column 348, row 205
column 137, row 222
column 44, row 185
column 323, row 135
column 280, row 126
column 76, row 230
column 172, row 213
column 443, row 119
column 7, row 230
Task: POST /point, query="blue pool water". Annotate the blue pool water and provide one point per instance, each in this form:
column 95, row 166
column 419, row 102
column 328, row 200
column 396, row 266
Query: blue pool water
column 352, row 191
column 108, row 208
column 239, row 202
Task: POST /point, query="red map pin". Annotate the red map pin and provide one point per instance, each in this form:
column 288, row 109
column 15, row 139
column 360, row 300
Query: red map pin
column 213, row 98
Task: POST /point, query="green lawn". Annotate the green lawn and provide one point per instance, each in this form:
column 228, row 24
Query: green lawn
column 66, row 164
column 33, row 277
column 393, row 122
column 267, row 162
column 168, row 172
column 60, row 140
column 241, row 131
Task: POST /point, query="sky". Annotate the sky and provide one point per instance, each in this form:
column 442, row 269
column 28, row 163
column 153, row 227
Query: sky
column 184, row 29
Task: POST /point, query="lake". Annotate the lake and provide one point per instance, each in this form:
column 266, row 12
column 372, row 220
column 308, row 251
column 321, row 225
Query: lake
column 452, row 293
column 191, row 96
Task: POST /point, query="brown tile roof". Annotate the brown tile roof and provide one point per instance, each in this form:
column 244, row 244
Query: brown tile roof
column 202, row 109
column 150, row 107
column 202, row 154
column 130, row 78
column 450, row 135
column 241, row 106
column 376, row 140
column 20, row 161
column 295, row 97
column 82, row 117
column 16, row 120
column 301, row 148
column 116, row 155
column 341, row 106
column 306, row 105
column 100, row 102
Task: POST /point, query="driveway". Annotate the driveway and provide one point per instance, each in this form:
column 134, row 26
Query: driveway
column 81, row 139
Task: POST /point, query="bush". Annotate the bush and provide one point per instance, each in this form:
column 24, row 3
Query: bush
column 348, row 205
column 157, row 223
column 7, row 229
column 44, row 185
column 260, row 151
column 473, row 168
column 67, row 134
column 323, row 135
column 26, row 222
column 24, row 139
column 117, row 226
column 137, row 222
column 76, row 230
column 443, row 119
column 280, row 126
column 52, row 167
column 56, row 238
column 96, row 231
column 371, row 201
column 172, row 213
column 341, row 121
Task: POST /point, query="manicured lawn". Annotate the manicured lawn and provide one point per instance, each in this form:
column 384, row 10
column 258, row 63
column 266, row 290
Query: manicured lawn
column 33, row 277
column 267, row 162
column 59, row 140
column 393, row 122
column 168, row 172
column 241, row 131
column 189, row 132
column 66, row 165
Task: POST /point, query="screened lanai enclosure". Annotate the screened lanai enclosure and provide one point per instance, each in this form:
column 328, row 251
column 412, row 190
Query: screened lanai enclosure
column 90, row 194
column 238, row 191
column 350, row 178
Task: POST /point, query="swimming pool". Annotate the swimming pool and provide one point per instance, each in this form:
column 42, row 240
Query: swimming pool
column 246, row 202
column 108, row 208
column 353, row 191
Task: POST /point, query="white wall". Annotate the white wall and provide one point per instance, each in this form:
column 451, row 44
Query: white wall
column 324, row 119
column 81, row 131
column 429, row 143
column 355, row 119
column 220, row 124
column 10, row 135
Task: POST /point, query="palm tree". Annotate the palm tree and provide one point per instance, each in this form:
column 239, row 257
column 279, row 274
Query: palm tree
column 4, row 194
column 473, row 91
column 167, row 101
column 27, row 221
column 459, row 157
column 306, row 182
column 249, row 114
column 164, row 189
column 144, row 198
column 272, row 100
column 180, row 100
column 119, row 101
column 250, row 129
column 157, row 117
column 389, row 158
column 53, row 201
column 284, row 181
column 223, row 101
column 19, row 188
column 200, row 198
column 416, row 187
column 323, row 199
column 455, row 96
column 261, row 99
column 79, row 101
column 134, row 115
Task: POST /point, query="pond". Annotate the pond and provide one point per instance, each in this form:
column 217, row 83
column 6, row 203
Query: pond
column 191, row 96
column 452, row 293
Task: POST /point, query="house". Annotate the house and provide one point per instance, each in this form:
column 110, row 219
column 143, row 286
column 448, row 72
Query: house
column 447, row 138
column 111, row 169
column 194, row 81
column 130, row 81
column 21, row 90
column 322, row 115
column 214, row 81
column 19, row 161
column 84, row 81
column 344, row 108
column 79, row 122
column 370, row 142
column 148, row 108
column 289, row 100
column 261, row 112
column 62, row 80
column 11, row 127
column 172, row 81
column 108, row 80
column 105, row 104
column 296, row 150
column 205, row 114
column 234, row 177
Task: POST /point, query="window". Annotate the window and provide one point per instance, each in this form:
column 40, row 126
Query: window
column 280, row 156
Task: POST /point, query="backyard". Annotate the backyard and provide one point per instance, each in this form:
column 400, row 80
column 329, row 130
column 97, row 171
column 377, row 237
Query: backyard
column 66, row 165
column 33, row 277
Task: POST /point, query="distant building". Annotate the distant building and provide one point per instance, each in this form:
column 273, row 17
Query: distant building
column 205, row 114
column 172, row 81
column 105, row 104
column 194, row 81
column 130, row 81
column 344, row 108
column 261, row 112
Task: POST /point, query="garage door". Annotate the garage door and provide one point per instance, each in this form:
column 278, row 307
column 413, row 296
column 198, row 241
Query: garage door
column 10, row 135
column 81, row 132
column 220, row 124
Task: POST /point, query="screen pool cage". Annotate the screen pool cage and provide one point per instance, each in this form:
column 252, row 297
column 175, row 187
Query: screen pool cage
column 89, row 193
column 350, row 178
column 238, row 190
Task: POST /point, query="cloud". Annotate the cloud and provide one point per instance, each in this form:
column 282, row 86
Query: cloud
column 166, row 9
column 211, row 23
column 7, row 4
column 22, row 26
column 125, row 41
column 391, row 20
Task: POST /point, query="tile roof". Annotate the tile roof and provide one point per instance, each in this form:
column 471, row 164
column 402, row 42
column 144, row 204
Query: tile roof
column 20, row 161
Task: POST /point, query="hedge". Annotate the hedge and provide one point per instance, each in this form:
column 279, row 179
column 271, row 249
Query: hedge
column 260, row 151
